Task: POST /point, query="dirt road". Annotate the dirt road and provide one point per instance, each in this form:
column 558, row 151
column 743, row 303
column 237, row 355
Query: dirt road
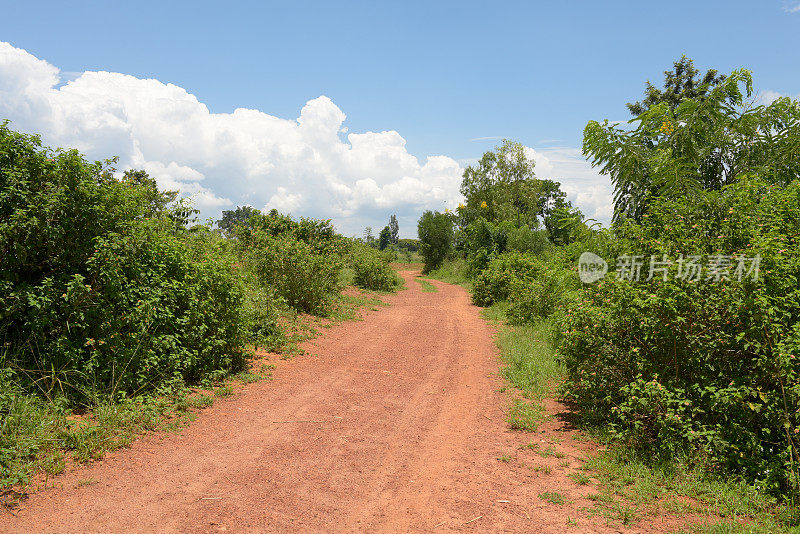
column 392, row 424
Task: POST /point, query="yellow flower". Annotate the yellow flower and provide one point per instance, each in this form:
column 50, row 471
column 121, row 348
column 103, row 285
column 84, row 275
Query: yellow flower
column 461, row 206
column 667, row 128
column 484, row 204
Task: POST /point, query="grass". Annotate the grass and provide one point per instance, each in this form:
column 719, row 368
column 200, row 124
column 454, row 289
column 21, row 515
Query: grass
column 427, row 287
column 553, row 497
column 452, row 271
column 530, row 366
column 525, row 416
column 39, row 438
column 579, row 478
column 632, row 486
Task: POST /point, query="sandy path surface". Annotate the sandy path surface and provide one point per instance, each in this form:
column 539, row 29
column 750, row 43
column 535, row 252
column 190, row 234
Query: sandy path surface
column 392, row 424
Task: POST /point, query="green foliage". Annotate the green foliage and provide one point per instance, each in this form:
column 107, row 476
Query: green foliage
column 705, row 368
column 555, row 286
column 394, row 230
column 503, row 187
column 702, row 144
column 526, row 239
column 496, row 281
column 411, row 245
column 372, row 269
column 680, row 83
column 231, row 218
column 384, row 238
column 300, row 260
column 100, row 292
column 436, row 238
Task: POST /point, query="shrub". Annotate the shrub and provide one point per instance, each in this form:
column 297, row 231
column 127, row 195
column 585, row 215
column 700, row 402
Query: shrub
column 524, row 239
column 300, row 260
column 372, row 269
column 539, row 297
column 495, row 282
column 100, row 291
column 703, row 368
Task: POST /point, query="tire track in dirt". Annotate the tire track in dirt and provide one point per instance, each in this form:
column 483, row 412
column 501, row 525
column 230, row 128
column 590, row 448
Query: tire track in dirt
column 391, row 424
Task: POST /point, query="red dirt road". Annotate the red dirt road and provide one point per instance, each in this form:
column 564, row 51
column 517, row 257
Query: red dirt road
column 392, row 424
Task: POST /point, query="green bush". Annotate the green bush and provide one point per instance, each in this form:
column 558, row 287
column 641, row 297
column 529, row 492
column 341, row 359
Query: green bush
column 372, row 269
column 705, row 368
column 100, row 292
column 495, row 282
column 543, row 295
column 525, row 239
column 300, row 260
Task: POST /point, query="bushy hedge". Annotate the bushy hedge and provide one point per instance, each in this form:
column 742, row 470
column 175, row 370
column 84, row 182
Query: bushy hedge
column 99, row 291
column 372, row 270
column 300, row 260
column 705, row 368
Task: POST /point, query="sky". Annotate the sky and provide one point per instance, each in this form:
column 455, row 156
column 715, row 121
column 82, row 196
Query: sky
column 358, row 110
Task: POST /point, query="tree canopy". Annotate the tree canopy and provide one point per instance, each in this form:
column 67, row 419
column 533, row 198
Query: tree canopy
column 682, row 82
column 702, row 144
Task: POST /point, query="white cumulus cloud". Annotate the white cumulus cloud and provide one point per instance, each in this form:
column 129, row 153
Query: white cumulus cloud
column 583, row 184
column 299, row 165
column 311, row 165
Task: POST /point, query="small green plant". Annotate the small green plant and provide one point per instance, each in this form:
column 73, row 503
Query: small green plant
column 427, row 287
column 579, row 478
column 201, row 401
column 552, row 497
column 523, row 415
column 223, row 391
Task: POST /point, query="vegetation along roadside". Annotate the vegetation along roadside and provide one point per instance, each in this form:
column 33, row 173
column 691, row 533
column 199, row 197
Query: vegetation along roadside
column 683, row 357
column 119, row 312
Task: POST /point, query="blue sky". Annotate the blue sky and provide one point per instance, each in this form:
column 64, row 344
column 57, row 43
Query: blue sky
column 439, row 74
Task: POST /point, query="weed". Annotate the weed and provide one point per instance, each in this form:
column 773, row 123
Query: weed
column 223, row 391
column 201, row 401
column 544, row 469
column 427, row 287
column 552, row 497
column 579, row 478
column 524, row 416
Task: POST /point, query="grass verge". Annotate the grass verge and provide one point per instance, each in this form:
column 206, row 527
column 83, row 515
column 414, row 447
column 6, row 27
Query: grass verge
column 452, row 272
column 631, row 488
column 427, row 287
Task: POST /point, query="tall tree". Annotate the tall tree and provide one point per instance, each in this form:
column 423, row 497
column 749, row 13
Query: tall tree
column 384, row 238
column 369, row 239
column 704, row 143
column 504, row 187
column 394, row 228
column 435, row 238
column 231, row 218
column 155, row 200
column 683, row 81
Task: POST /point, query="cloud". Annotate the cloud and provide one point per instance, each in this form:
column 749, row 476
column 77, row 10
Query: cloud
column 311, row 165
column 765, row 98
column 791, row 7
column 300, row 165
column 583, row 184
